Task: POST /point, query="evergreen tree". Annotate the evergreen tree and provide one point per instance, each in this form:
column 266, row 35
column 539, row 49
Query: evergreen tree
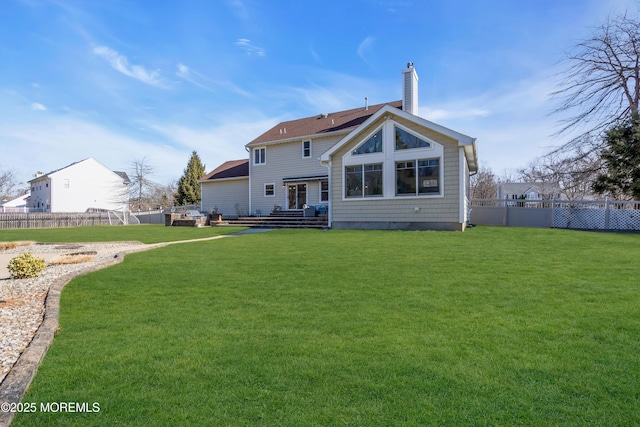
column 621, row 157
column 188, row 187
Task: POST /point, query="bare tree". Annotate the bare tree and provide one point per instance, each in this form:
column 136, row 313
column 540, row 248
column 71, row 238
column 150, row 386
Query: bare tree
column 162, row 196
column 510, row 175
column 601, row 86
column 8, row 184
column 483, row 183
column 570, row 176
column 140, row 182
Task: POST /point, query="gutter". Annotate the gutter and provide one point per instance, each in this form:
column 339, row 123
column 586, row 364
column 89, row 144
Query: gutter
column 327, row 164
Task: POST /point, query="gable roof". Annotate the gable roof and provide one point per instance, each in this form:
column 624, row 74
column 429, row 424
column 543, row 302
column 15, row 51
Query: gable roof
column 466, row 142
column 320, row 124
column 122, row 175
column 230, row 169
column 44, row 175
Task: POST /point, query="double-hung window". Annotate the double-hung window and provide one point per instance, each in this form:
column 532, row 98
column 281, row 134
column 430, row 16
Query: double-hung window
column 269, row 190
column 259, row 156
column 306, row 149
column 324, row 191
column 363, row 180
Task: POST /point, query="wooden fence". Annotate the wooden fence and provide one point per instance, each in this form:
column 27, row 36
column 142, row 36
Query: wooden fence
column 54, row 220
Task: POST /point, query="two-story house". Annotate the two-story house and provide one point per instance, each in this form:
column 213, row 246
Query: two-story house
column 78, row 187
column 380, row 166
column 528, row 191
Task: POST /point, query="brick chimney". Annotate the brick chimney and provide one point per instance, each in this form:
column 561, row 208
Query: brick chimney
column 410, row 90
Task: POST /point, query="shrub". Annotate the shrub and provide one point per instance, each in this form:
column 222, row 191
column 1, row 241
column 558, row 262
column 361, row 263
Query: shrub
column 25, row 265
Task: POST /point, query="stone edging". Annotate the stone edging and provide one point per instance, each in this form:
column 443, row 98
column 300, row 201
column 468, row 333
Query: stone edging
column 15, row 384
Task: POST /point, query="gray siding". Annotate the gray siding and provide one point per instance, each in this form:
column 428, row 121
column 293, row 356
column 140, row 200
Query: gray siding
column 230, row 197
column 282, row 161
column 440, row 211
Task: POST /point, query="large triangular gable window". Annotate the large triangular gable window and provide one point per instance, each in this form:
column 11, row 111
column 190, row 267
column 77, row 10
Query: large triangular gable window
column 371, row 145
column 405, row 140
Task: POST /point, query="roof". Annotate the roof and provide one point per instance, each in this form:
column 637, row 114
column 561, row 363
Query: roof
column 320, row 124
column 467, row 143
column 122, row 175
column 520, row 188
column 230, row 169
column 57, row 170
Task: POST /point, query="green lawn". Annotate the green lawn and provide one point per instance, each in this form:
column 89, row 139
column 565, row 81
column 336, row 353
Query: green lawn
column 154, row 233
column 493, row 326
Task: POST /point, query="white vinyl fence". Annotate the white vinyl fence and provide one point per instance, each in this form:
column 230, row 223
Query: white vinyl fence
column 572, row 214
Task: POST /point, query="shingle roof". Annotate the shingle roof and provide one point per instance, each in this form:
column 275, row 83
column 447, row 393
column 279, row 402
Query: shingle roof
column 320, row 124
column 230, row 169
column 124, row 176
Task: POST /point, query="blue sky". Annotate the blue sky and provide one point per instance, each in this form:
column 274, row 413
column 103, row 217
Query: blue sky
column 122, row 80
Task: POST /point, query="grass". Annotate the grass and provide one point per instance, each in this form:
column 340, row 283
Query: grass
column 493, row 326
column 153, row 233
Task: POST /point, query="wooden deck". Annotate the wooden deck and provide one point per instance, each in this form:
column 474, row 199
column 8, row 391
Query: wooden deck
column 280, row 219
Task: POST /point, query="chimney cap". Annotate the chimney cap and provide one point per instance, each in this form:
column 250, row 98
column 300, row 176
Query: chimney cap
column 409, row 64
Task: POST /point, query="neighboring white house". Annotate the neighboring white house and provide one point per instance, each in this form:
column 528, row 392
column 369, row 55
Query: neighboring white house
column 19, row 204
column 78, row 187
column 527, row 191
column 380, row 166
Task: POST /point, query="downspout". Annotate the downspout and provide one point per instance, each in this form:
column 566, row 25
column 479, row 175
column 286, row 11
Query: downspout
column 330, row 205
column 249, row 151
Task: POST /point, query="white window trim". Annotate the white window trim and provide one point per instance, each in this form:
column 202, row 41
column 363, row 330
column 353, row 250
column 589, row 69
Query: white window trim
column 363, row 141
column 310, row 149
column 388, row 157
column 264, row 157
column 431, row 142
column 416, row 196
column 264, row 193
column 364, row 196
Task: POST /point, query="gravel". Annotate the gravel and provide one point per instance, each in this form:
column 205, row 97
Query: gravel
column 22, row 300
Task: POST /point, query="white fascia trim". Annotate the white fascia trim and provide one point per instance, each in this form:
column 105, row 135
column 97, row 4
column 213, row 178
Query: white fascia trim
column 471, row 152
column 233, row 178
column 387, row 109
column 327, row 154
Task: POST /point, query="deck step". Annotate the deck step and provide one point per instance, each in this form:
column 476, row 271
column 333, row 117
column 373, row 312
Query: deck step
column 288, row 221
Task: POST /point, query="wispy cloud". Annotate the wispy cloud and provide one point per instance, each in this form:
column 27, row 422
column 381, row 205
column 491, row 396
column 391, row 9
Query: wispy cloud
column 56, row 141
column 198, row 79
column 38, row 107
column 121, row 63
column 437, row 114
column 251, row 49
column 214, row 144
column 185, row 73
column 239, row 9
column 365, row 48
